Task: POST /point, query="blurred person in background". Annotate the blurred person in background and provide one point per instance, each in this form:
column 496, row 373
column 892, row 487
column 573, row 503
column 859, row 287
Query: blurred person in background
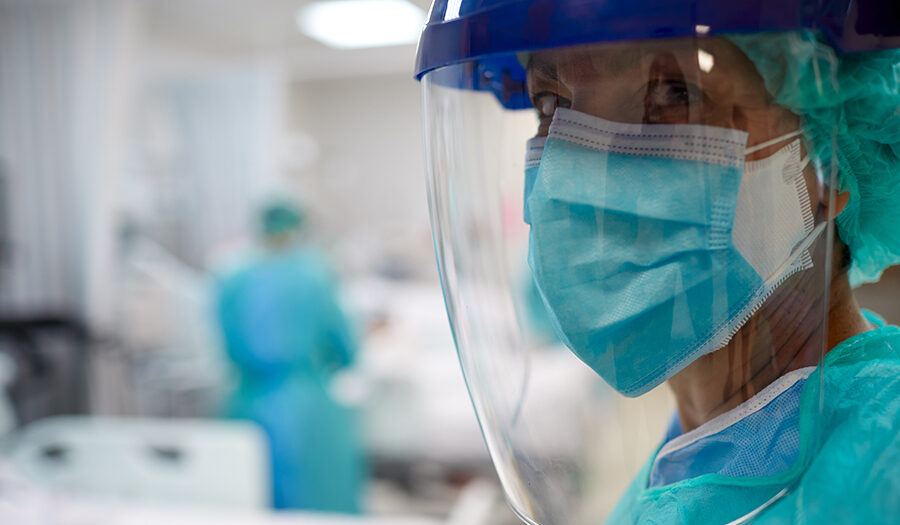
column 286, row 335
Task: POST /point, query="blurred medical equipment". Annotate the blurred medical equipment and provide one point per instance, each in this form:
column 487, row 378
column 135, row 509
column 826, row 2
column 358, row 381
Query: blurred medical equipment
column 74, row 470
column 24, row 503
column 50, row 353
column 475, row 504
column 178, row 461
column 8, row 420
column 416, row 414
column 168, row 354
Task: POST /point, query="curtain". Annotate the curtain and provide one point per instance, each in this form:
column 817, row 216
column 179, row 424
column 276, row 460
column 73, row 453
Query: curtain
column 65, row 69
column 218, row 128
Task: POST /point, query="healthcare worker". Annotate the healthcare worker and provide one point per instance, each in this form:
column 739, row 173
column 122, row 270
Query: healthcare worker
column 286, row 334
column 702, row 183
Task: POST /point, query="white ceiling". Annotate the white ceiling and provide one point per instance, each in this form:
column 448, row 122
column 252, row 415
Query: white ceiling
column 264, row 28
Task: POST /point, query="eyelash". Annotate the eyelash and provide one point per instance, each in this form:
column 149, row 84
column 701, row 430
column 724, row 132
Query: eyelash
column 690, row 95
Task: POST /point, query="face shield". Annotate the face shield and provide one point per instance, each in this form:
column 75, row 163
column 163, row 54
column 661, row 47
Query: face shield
column 633, row 217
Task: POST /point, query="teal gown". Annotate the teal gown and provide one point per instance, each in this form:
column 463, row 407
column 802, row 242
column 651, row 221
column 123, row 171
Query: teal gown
column 285, row 334
column 850, row 475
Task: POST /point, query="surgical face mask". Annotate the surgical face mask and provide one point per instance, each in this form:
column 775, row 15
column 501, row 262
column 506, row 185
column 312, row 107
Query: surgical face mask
column 651, row 245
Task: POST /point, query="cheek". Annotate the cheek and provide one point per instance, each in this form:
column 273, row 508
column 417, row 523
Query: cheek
column 723, row 116
column 815, row 189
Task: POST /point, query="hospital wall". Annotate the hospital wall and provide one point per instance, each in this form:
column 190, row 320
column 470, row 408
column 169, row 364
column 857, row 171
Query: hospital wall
column 366, row 176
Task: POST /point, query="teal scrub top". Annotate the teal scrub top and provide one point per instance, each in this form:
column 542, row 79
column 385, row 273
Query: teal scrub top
column 850, row 475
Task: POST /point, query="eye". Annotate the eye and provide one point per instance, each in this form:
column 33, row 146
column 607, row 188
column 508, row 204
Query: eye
column 671, row 101
column 672, row 93
column 546, row 103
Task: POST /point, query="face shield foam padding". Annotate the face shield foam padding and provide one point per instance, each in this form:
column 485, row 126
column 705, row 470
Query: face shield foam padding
column 850, row 103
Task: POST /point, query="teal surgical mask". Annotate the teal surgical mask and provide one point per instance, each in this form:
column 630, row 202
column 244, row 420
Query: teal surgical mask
column 651, row 245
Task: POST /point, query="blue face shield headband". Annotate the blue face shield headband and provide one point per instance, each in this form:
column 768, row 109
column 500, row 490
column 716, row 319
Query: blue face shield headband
column 651, row 245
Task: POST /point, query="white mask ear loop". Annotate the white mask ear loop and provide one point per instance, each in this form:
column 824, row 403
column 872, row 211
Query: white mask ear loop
column 763, row 145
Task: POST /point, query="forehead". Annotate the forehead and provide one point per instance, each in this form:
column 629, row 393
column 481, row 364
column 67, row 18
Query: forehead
column 705, row 55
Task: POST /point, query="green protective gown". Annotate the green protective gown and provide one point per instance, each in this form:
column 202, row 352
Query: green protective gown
column 286, row 334
column 850, row 475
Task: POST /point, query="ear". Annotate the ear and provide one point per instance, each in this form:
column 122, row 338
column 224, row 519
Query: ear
column 840, row 202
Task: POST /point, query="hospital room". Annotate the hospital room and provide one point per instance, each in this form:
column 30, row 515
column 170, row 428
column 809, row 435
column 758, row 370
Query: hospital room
column 381, row 262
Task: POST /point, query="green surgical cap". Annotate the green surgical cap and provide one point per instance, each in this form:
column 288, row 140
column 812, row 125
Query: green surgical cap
column 280, row 217
column 851, row 107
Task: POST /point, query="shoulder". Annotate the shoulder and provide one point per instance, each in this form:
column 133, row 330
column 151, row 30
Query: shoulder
column 317, row 266
column 862, row 396
column 855, row 475
column 862, row 381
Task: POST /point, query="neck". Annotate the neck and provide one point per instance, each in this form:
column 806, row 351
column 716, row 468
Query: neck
column 786, row 334
column 279, row 242
column 845, row 319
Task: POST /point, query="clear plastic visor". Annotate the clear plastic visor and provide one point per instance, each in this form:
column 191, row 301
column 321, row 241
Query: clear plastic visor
column 637, row 275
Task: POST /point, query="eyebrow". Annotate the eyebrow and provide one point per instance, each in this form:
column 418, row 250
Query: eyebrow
column 620, row 62
column 545, row 68
column 612, row 62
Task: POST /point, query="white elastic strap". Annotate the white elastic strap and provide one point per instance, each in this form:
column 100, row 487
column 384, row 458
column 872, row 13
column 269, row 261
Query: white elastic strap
column 763, row 145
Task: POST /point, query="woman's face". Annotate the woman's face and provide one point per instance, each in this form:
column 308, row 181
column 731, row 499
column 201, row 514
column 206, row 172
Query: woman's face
column 700, row 81
column 705, row 81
